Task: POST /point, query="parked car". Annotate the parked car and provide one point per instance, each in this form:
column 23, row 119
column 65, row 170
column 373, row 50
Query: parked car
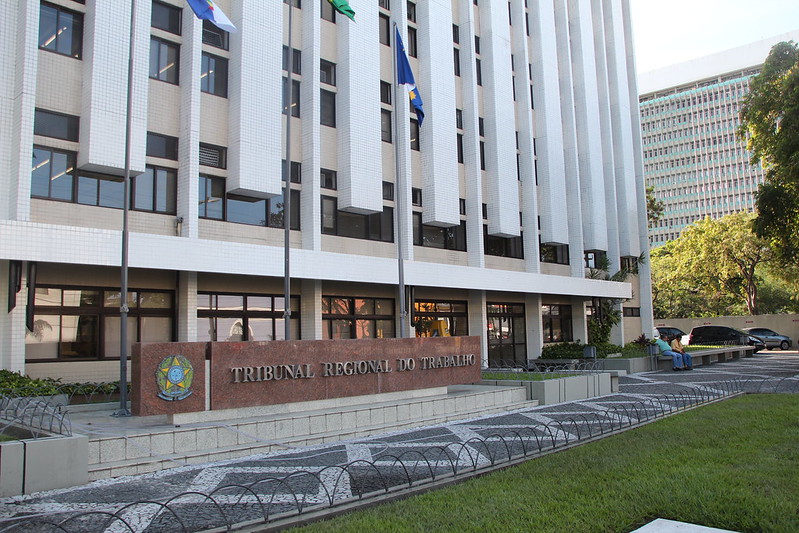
column 771, row 338
column 724, row 335
column 664, row 332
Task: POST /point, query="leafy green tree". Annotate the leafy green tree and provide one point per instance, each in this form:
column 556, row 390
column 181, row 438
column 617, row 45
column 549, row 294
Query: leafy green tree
column 770, row 125
column 654, row 207
column 713, row 268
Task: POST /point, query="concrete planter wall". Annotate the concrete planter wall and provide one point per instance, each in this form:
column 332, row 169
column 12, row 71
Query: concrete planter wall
column 559, row 390
column 33, row 465
column 632, row 365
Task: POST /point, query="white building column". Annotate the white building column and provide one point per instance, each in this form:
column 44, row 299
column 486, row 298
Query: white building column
column 12, row 325
column 311, row 309
column 534, row 332
column 579, row 320
column 187, row 307
column 19, row 34
column 478, row 322
column 189, row 140
column 310, row 200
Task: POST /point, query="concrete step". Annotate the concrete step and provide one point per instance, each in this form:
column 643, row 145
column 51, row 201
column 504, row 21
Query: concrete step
column 163, row 447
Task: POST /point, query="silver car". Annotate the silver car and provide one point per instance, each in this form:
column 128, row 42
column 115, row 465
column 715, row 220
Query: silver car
column 771, row 338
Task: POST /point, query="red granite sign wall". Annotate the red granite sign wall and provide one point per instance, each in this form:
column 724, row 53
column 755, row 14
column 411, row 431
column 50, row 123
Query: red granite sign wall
column 247, row 374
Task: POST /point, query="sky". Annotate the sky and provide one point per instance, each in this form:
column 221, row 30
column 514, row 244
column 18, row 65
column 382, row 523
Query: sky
column 671, row 32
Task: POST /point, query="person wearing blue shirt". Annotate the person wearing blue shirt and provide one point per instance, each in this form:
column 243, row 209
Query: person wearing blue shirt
column 676, row 357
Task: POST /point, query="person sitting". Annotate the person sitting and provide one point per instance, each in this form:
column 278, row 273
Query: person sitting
column 676, row 345
column 676, row 357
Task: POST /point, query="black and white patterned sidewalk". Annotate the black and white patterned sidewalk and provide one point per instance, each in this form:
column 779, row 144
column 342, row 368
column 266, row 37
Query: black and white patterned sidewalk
column 195, row 498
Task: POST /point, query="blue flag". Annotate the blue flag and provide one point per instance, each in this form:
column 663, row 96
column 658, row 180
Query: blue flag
column 208, row 10
column 405, row 77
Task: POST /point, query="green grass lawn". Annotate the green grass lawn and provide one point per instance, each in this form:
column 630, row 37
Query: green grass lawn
column 731, row 465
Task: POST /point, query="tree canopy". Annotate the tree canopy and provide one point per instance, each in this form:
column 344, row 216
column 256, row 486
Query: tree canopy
column 654, row 207
column 770, row 125
column 716, row 267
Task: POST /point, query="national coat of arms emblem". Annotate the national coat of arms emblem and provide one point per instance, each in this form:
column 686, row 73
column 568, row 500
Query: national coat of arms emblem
column 174, row 376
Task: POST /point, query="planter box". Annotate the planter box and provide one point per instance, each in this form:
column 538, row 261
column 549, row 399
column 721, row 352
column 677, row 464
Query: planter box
column 33, row 465
column 559, row 390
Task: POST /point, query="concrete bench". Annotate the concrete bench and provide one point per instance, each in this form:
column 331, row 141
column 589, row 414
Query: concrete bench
column 710, row 356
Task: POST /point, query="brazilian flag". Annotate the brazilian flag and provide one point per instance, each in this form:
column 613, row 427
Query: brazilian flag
column 344, row 8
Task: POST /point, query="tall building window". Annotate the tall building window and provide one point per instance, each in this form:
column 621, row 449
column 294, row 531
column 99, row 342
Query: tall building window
column 507, row 337
column 75, row 324
column 385, row 92
column 100, row 190
column 60, row 30
column 328, row 179
column 554, row 253
column 374, row 227
column 427, row 314
column 214, row 36
column 166, row 17
column 327, row 72
column 259, row 212
column 385, row 125
column 213, row 75
column 296, row 66
column 556, row 323
column 456, row 57
column 53, row 173
column 385, row 30
column 412, row 49
column 164, row 60
column 357, row 318
column 411, row 11
column 295, row 97
column 211, row 198
column 328, row 12
column 414, row 134
column 512, row 247
column 162, row 146
column 228, row 317
column 56, row 125
column 479, row 70
column 155, row 190
column 328, row 108
column 452, row 238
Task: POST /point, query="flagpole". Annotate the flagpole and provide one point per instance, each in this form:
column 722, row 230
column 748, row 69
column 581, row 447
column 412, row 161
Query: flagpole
column 287, row 188
column 123, row 291
column 399, row 203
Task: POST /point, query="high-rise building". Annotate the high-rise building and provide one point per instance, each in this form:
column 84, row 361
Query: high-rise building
column 692, row 155
column 526, row 170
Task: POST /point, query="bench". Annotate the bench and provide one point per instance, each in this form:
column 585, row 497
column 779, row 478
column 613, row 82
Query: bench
column 709, row 356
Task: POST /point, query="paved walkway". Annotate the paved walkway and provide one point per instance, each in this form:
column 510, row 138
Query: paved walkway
column 320, row 473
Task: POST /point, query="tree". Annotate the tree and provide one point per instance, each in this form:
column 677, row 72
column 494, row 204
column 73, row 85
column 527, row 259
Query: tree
column 770, row 125
column 654, row 207
column 714, row 268
column 606, row 313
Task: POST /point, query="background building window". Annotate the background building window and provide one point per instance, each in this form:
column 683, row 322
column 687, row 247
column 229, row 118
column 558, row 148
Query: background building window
column 412, row 49
column 213, row 75
column 164, row 60
column 328, row 178
column 631, row 311
column 385, row 92
column 385, row 30
column 60, row 30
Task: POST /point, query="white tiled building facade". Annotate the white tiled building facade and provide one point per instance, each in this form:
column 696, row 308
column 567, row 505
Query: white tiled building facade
column 527, row 168
column 690, row 113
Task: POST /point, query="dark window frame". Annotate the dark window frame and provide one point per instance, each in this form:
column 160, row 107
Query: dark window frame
column 354, row 317
column 42, row 125
column 248, row 312
column 214, row 75
column 172, row 75
column 75, row 31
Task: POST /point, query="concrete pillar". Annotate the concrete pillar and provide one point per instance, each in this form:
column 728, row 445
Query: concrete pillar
column 535, row 334
column 12, row 325
column 579, row 321
column 478, row 321
column 187, row 307
column 311, row 309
